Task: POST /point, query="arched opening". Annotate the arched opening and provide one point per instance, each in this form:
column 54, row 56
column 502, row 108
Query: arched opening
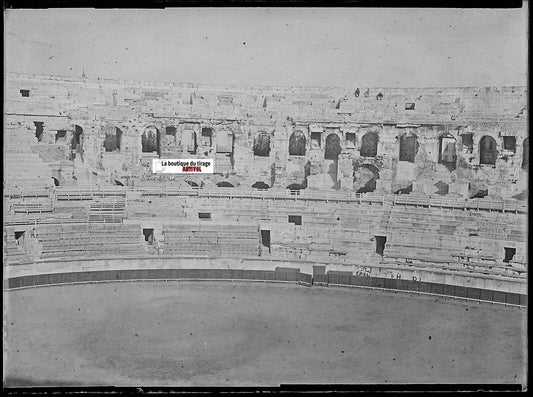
column 297, row 144
column 150, row 140
column 408, row 147
column 224, row 184
column 56, row 181
column 262, row 144
column 118, row 183
column 447, row 154
column 295, row 186
column 191, row 183
column 333, row 147
column 260, row 186
column 224, row 141
column 525, row 154
column 113, row 140
column 366, row 178
column 488, row 153
column 369, row 145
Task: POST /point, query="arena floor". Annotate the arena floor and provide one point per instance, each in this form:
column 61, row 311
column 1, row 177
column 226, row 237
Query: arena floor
column 219, row 333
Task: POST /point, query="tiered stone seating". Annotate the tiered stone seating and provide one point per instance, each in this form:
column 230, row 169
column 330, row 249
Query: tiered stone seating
column 73, row 210
column 32, row 207
column 110, row 209
column 89, row 239
column 330, row 231
column 78, row 193
column 12, row 250
column 153, row 206
column 211, row 239
column 433, row 236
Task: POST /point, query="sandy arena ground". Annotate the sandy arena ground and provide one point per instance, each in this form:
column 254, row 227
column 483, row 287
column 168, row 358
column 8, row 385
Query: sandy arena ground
column 219, row 333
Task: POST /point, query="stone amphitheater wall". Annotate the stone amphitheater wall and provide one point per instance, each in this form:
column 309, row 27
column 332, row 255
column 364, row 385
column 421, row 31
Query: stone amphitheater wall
column 224, row 123
column 420, row 189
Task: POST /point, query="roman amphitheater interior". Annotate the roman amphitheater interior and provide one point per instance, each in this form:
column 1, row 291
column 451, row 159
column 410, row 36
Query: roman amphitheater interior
column 422, row 190
column 386, row 187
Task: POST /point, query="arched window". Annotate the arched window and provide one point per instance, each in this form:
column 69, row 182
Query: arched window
column 297, row 144
column 333, row 147
column 224, row 141
column 369, row 145
column 262, row 144
column 366, row 177
column 447, row 154
column 150, row 140
column 113, row 140
column 487, row 150
column 408, row 148
column 525, row 155
column 224, row 184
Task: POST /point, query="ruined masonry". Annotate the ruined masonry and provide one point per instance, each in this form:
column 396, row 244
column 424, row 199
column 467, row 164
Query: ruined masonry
column 418, row 183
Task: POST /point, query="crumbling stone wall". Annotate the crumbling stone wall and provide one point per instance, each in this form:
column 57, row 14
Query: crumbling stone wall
column 224, row 123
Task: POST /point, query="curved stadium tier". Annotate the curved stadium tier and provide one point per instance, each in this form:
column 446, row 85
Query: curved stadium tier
column 419, row 191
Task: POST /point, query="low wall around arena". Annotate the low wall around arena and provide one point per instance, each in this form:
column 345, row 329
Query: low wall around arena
column 418, row 280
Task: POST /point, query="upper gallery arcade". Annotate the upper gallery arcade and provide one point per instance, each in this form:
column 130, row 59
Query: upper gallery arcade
column 466, row 142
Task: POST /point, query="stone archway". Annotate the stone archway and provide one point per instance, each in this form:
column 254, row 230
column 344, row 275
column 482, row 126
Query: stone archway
column 262, row 144
column 447, row 151
column 408, row 148
column 369, row 145
column 113, row 139
column 224, row 184
column 333, row 147
column 297, row 143
column 260, row 185
column 488, row 152
column 150, row 140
